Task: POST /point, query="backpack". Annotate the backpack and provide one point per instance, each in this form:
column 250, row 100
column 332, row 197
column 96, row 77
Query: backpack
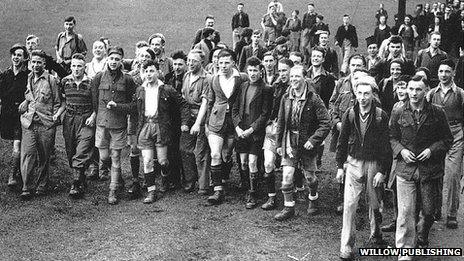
column 75, row 39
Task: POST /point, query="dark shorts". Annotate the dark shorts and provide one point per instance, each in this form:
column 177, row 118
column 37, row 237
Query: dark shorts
column 228, row 130
column 249, row 146
column 308, row 164
column 149, row 137
column 11, row 133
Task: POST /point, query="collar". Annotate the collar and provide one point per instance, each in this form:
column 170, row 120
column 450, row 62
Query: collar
column 429, row 50
column 235, row 73
column 202, row 73
column 145, row 84
column 407, row 106
column 44, row 75
column 440, row 87
column 291, row 94
column 323, row 71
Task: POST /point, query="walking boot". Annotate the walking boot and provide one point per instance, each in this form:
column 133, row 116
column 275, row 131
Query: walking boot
column 135, row 190
column 286, row 213
column 251, row 201
column 270, row 204
column 389, row 227
column 104, row 169
column 217, row 198
column 150, row 198
column 15, row 173
column 313, row 207
column 76, row 190
column 112, row 197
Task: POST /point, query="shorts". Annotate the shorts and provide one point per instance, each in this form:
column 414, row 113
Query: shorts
column 132, row 125
column 228, row 130
column 149, row 137
column 11, row 133
column 106, row 138
column 306, row 164
column 270, row 140
column 249, row 146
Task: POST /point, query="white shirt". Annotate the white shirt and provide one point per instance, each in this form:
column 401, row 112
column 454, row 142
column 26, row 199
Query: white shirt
column 227, row 85
column 95, row 66
column 151, row 99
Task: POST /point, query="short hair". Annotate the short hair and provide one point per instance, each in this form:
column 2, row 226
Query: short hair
column 32, row 36
column 257, row 32
column 207, row 32
column 321, row 17
column 297, row 12
column 425, row 70
column 398, row 61
column 366, row 80
column 268, row 53
column 287, row 62
column 418, row 78
column 78, row 56
column 311, row 4
column 247, row 32
column 404, row 78
column 320, row 49
column 396, row 39
column 253, row 61
column 101, row 41
column 297, row 54
column 157, row 35
column 361, row 70
column 346, row 15
column 199, row 53
column 141, row 44
column 179, row 54
column 209, row 17
column 435, row 33
column 213, row 51
column 149, row 63
column 227, row 53
column 39, row 53
column 448, row 62
column 358, row 56
column 408, row 16
column 301, row 67
column 241, row 4
column 70, row 19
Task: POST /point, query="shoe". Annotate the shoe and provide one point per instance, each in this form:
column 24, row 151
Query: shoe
column 301, row 196
column 40, row 192
column 134, row 191
column 26, row 195
column 339, row 209
column 312, row 207
column 75, row 191
column 389, row 228
column 203, row 192
column 451, row 223
column 376, row 241
column 112, row 198
column 422, row 243
column 190, row 187
column 251, row 201
column 12, row 182
column 151, row 197
column 217, row 198
column 285, row 214
column 270, row 204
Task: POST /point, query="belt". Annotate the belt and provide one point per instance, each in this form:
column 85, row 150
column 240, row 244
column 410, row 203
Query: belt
column 455, row 122
column 151, row 119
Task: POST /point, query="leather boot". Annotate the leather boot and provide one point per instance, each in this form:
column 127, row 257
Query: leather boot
column 112, row 197
column 285, row 214
column 151, row 197
column 270, row 204
column 15, row 173
column 251, row 201
column 104, row 169
column 313, row 207
column 135, row 190
column 244, row 183
column 217, row 198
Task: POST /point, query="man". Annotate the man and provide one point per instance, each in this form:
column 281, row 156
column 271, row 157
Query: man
column 194, row 144
column 317, row 29
column 330, row 63
column 206, row 44
column 268, row 24
column 209, row 23
column 79, row 122
column 297, row 58
column 281, row 48
column 115, row 102
column 451, row 26
column 270, row 138
column 250, row 113
column 270, row 72
column 155, row 101
column 175, row 80
column 309, row 19
column 419, row 137
column 157, row 43
column 13, row 83
column 40, row 114
column 395, row 51
column 32, row 43
column 364, row 144
column 381, row 12
column 293, row 24
column 240, row 21
column 302, row 125
column 450, row 98
column 254, row 49
column 431, row 57
column 372, row 52
column 223, row 92
column 382, row 31
column 69, row 43
column 323, row 84
column 245, row 39
column 347, row 39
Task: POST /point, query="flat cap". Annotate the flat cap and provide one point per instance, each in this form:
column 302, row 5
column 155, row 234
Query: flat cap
column 116, row 49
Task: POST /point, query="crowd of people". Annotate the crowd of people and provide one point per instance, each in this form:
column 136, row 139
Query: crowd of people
column 395, row 123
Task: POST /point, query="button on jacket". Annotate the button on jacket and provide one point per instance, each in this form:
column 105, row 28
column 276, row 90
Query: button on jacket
column 114, row 86
column 432, row 131
column 44, row 99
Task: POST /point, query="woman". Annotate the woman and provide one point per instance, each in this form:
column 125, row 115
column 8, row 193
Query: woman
column 293, row 24
column 387, row 86
column 99, row 59
column 382, row 31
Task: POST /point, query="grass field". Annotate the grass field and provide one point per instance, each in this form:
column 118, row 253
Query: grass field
column 178, row 226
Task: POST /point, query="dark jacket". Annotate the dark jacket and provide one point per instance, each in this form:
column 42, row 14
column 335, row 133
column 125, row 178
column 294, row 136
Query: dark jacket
column 382, row 69
column 374, row 146
column 349, row 34
column 387, row 95
column 260, row 109
column 323, row 85
column 432, row 132
column 314, row 124
column 239, row 47
column 114, row 86
column 219, row 104
column 199, row 37
column 236, row 21
column 247, row 52
column 279, row 89
column 168, row 98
